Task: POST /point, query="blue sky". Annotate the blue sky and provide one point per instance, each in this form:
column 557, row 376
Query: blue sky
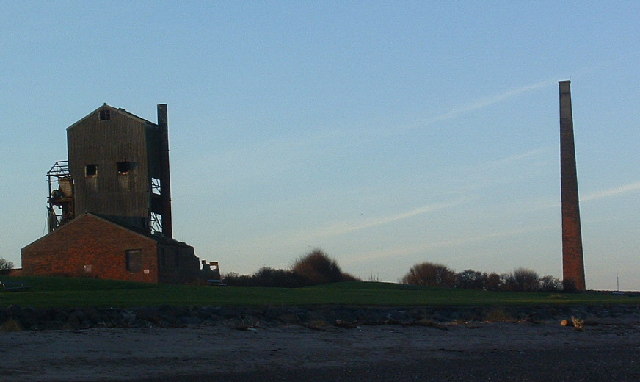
column 385, row 133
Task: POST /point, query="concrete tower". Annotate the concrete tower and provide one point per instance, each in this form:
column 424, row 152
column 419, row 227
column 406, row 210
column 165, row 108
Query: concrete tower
column 572, row 262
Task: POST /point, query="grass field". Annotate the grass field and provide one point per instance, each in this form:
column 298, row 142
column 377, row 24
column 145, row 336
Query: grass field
column 79, row 292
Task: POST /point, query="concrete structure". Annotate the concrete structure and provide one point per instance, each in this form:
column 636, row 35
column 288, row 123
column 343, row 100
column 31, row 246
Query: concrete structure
column 110, row 215
column 572, row 253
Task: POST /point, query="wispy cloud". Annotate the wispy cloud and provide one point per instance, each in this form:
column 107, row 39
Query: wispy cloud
column 632, row 187
column 515, row 158
column 409, row 250
column 485, row 102
column 348, row 227
column 310, row 237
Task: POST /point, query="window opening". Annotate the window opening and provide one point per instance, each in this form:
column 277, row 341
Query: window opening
column 156, row 223
column 91, row 170
column 156, row 188
column 125, row 167
column 134, row 260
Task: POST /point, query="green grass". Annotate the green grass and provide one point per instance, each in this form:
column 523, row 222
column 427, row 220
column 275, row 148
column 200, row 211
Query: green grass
column 78, row 292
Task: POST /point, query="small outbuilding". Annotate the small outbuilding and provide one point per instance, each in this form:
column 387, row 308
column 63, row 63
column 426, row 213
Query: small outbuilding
column 92, row 246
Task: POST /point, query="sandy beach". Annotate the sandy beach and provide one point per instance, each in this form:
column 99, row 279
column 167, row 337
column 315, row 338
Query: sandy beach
column 454, row 351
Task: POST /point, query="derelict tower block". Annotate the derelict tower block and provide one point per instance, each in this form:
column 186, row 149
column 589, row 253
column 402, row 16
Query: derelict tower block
column 572, row 253
column 119, row 164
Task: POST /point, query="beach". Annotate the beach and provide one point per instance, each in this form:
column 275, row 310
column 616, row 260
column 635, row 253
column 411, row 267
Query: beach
column 606, row 350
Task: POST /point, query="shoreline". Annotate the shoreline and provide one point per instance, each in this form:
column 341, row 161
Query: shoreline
column 24, row 318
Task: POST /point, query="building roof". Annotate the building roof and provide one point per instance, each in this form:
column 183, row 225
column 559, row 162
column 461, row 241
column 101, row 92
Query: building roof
column 117, row 110
column 88, row 215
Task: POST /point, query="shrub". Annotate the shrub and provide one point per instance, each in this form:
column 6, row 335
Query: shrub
column 569, row 286
column 5, row 265
column 493, row 282
column 430, row 274
column 314, row 268
column 235, row 279
column 470, row 279
column 521, row 280
column 318, row 268
column 526, row 280
column 270, row 277
column 549, row 283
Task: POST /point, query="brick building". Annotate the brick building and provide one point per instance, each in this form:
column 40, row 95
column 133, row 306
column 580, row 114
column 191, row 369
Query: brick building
column 109, row 205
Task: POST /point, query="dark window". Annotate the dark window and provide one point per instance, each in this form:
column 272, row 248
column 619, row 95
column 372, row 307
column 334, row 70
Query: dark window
column 125, row 167
column 134, row 260
column 91, row 170
column 105, row 114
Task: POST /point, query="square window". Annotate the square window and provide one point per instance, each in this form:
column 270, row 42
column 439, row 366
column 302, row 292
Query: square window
column 91, row 170
column 133, row 260
column 125, row 167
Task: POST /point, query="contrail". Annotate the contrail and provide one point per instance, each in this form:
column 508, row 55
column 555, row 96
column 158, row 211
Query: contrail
column 484, row 102
column 612, row 192
column 346, row 227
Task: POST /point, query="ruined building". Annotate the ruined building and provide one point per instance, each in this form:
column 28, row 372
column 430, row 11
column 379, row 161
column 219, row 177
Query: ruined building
column 572, row 262
column 109, row 205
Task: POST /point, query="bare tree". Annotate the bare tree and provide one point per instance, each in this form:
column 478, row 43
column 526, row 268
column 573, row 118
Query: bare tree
column 549, row 283
column 430, row 274
column 526, row 280
column 5, row 265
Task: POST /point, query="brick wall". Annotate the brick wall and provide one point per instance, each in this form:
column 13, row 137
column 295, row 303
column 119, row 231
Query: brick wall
column 90, row 246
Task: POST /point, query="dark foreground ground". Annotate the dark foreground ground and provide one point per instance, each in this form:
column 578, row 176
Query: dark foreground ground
column 604, row 351
column 617, row 363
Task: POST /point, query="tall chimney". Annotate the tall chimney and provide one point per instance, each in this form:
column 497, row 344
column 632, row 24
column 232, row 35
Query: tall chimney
column 572, row 256
column 165, row 174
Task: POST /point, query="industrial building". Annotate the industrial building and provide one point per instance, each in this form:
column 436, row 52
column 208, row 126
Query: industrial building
column 109, row 205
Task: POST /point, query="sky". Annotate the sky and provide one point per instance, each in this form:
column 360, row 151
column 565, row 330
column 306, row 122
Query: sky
column 386, row 133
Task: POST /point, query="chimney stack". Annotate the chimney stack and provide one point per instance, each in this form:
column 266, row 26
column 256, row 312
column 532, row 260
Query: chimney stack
column 165, row 174
column 572, row 254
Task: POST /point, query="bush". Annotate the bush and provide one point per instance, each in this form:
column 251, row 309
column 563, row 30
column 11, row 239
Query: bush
column 521, row 280
column 5, row 266
column 312, row 269
column 493, row 282
column 318, row 268
column 549, row 283
column 266, row 277
column 569, row 286
column 526, row 280
column 430, row 274
column 470, row 279
column 270, row 277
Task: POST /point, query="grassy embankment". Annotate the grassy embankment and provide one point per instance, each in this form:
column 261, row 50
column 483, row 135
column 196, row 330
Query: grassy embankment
column 72, row 292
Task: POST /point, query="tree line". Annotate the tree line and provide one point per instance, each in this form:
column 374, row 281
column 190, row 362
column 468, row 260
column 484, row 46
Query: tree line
column 521, row 279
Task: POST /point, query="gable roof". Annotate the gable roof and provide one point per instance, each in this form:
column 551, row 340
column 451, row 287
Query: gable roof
column 80, row 219
column 116, row 110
